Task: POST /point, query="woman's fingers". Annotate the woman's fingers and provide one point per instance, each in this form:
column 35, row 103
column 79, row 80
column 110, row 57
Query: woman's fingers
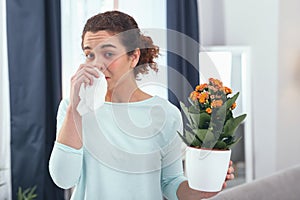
column 229, row 177
column 85, row 75
column 230, row 171
column 85, row 78
column 88, row 68
column 224, row 185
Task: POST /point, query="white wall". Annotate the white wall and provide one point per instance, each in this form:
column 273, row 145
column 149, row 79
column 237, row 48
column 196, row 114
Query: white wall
column 73, row 17
column 271, row 28
column 5, row 172
column 151, row 18
column 251, row 23
column 288, row 137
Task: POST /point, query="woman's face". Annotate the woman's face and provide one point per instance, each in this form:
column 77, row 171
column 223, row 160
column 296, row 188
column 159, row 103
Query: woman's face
column 105, row 51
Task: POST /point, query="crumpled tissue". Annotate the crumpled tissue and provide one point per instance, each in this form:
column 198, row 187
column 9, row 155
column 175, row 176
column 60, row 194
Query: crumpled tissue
column 92, row 97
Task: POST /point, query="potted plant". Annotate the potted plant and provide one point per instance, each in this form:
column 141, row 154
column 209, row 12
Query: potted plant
column 28, row 194
column 209, row 134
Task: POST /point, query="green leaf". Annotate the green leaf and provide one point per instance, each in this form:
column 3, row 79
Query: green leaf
column 196, row 143
column 186, row 112
column 189, row 126
column 30, row 194
column 26, row 191
column 195, row 120
column 227, row 139
column 19, row 194
column 220, row 145
column 189, row 136
column 27, row 194
column 204, row 120
column 231, row 100
column 201, row 133
column 229, row 114
column 219, row 117
column 183, row 139
column 193, row 109
column 235, row 142
column 209, row 137
column 232, row 124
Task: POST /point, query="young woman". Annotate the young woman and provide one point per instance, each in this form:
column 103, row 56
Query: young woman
column 129, row 147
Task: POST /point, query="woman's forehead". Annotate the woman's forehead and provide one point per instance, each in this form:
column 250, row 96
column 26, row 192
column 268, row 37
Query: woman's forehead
column 91, row 40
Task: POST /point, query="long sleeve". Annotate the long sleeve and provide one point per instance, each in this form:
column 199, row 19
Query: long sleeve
column 172, row 169
column 65, row 162
column 172, row 172
column 65, row 165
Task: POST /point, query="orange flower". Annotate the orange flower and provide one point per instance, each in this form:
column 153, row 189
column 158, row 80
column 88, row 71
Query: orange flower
column 233, row 106
column 194, row 95
column 202, row 100
column 216, row 103
column 216, row 83
column 212, row 88
column 208, row 110
column 203, row 97
column 201, row 87
column 227, row 90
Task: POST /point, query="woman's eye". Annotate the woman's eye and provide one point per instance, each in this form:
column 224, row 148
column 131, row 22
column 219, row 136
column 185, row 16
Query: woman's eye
column 108, row 54
column 90, row 56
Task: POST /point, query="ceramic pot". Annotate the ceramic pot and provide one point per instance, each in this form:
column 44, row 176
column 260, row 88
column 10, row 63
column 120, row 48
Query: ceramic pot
column 206, row 170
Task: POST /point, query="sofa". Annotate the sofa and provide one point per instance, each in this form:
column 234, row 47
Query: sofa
column 283, row 185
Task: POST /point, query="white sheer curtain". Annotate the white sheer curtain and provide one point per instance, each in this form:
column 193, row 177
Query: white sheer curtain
column 73, row 17
column 5, row 172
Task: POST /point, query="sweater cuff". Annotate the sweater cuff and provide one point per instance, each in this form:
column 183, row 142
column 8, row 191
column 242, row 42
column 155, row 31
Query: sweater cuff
column 68, row 149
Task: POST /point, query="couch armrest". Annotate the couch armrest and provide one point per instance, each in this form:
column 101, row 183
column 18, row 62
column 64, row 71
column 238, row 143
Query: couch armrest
column 284, row 184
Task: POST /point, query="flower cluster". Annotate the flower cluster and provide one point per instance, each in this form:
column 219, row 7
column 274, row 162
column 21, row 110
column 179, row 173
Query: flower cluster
column 211, row 96
column 210, row 119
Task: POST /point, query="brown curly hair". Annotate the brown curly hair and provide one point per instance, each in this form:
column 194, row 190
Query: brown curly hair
column 119, row 22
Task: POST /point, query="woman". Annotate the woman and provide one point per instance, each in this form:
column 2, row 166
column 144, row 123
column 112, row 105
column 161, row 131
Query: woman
column 130, row 148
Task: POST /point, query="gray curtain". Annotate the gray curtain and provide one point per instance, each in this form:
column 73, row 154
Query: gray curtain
column 34, row 57
column 183, row 49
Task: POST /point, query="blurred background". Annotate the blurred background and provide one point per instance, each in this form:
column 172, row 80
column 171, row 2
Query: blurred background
column 253, row 44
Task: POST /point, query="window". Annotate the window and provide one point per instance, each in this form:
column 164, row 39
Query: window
column 231, row 65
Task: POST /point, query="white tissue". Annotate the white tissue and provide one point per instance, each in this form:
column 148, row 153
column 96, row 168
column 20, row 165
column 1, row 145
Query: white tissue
column 92, row 96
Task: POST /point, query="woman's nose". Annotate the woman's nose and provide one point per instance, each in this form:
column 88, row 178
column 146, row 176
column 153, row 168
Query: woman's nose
column 102, row 68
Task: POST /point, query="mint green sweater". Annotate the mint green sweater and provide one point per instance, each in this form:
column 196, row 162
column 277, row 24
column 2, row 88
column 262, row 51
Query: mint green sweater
column 130, row 151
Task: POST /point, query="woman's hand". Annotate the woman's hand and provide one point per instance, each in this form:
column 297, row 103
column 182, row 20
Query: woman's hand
column 184, row 192
column 70, row 133
column 230, row 175
column 85, row 74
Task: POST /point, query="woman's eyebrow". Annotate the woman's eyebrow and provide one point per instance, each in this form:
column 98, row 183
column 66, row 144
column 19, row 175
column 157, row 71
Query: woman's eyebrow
column 87, row 48
column 107, row 45
column 102, row 47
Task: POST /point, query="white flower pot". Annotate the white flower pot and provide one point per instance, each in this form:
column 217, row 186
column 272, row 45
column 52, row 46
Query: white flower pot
column 206, row 170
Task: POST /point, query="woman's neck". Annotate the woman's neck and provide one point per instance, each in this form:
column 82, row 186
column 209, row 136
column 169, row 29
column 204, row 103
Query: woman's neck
column 126, row 92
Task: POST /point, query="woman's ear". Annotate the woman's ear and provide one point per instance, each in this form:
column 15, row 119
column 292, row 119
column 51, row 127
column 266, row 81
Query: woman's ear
column 135, row 57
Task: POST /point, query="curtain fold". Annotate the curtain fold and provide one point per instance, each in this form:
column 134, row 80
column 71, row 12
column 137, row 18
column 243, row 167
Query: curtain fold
column 34, row 58
column 183, row 49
